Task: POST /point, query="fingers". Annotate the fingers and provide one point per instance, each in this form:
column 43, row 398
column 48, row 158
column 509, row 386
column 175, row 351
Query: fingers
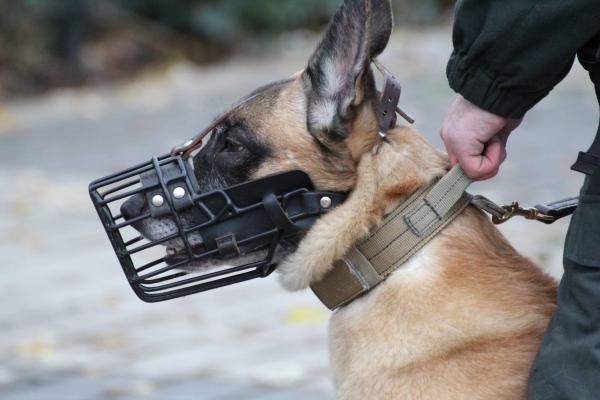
column 488, row 164
column 491, row 159
column 476, row 139
column 479, row 160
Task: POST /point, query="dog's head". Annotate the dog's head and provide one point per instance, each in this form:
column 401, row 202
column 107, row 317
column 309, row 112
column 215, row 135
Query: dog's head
column 321, row 120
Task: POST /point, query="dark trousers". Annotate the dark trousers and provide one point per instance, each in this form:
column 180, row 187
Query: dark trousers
column 568, row 364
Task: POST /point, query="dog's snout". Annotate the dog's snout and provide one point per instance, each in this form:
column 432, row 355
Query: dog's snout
column 133, row 207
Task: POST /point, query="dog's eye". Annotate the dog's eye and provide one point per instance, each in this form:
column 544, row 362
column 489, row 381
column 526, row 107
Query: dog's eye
column 232, row 146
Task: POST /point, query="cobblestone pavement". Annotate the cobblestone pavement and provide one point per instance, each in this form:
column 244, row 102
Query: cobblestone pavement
column 72, row 328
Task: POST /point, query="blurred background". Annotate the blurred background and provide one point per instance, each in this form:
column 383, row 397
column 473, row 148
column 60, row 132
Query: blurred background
column 88, row 88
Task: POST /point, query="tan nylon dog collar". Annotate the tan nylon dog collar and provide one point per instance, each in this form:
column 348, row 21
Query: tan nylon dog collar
column 401, row 234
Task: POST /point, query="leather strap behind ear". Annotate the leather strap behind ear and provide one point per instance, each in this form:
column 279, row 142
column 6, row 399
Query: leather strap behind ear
column 197, row 141
column 389, row 100
column 386, row 109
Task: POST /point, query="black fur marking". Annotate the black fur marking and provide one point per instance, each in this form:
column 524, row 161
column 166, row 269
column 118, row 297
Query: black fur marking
column 217, row 168
column 326, row 152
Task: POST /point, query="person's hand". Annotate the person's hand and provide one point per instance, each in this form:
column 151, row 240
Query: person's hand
column 476, row 139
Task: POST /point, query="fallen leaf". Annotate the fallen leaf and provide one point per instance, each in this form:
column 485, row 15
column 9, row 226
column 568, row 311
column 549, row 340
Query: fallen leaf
column 36, row 348
column 6, row 120
column 305, row 314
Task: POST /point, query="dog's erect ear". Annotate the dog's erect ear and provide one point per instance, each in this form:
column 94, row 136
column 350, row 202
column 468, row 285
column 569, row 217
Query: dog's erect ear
column 338, row 73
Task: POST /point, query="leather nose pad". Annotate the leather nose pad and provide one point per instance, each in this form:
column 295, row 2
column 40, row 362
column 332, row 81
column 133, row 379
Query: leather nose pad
column 133, row 207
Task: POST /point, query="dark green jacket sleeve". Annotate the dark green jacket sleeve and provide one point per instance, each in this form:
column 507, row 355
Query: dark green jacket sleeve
column 509, row 54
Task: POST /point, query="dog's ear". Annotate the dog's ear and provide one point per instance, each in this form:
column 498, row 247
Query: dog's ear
column 338, row 77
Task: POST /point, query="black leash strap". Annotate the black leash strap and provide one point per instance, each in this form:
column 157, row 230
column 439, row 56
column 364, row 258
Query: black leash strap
column 559, row 209
column 589, row 57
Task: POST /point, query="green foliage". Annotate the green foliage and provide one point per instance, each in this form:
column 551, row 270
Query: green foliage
column 225, row 20
column 219, row 21
column 42, row 42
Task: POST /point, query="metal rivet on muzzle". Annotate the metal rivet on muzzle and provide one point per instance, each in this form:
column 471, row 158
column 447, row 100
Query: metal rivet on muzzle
column 325, row 202
column 158, row 201
column 178, row 192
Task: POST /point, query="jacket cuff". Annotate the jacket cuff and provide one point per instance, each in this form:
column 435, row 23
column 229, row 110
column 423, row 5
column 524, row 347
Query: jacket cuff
column 490, row 92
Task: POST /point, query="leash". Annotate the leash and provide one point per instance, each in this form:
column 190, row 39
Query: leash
column 409, row 227
column 546, row 213
column 414, row 222
column 587, row 162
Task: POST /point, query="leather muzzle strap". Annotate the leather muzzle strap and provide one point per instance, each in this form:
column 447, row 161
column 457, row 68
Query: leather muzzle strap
column 402, row 233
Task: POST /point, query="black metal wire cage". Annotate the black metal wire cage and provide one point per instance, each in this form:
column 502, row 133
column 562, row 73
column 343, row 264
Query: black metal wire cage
column 250, row 218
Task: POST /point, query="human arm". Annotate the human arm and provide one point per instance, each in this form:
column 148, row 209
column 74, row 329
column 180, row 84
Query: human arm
column 508, row 55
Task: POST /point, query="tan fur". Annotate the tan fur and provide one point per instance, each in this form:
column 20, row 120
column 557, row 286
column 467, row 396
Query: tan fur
column 385, row 175
column 282, row 124
column 461, row 320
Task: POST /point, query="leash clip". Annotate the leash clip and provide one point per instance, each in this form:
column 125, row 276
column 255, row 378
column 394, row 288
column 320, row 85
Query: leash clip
column 514, row 210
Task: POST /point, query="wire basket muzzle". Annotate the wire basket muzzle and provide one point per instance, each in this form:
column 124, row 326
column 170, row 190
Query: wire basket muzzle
column 251, row 218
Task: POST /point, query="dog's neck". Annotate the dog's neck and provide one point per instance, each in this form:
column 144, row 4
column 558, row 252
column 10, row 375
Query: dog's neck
column 402, row 164
column 386, row 175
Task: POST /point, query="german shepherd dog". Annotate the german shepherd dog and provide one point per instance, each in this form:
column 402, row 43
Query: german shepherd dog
column 464, row 317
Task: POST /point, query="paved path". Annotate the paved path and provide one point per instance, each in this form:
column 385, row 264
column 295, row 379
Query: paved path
column 71, row 328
